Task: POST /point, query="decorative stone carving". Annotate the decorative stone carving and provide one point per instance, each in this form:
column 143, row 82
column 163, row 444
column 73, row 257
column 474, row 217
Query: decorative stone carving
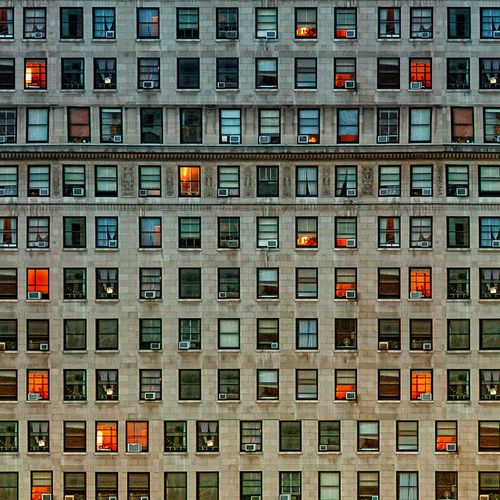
column 127, row 181
column 169, row 181
column 326, row 178
column 248, row 182
column 367, row 180
column 439, row 180
column 209, row 180
column 287, row 181
column 56, row 181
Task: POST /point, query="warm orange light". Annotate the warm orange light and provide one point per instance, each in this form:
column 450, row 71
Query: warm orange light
column 306, row 241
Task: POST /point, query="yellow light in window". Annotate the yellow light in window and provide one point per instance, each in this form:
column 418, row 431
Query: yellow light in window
column 28, row 76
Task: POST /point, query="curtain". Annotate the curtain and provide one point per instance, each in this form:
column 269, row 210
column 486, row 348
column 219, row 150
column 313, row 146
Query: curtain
column 307, row 335
column 307, row 181
column 148, row 23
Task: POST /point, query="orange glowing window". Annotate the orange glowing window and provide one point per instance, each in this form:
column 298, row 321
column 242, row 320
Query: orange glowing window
column 137, row 433
column 421, row 383
column 307, row 232
column 421, row 72
column 106, row 436
column 420, row 282
column 38, row 281
column 306, row 23
column 345, row 381
column 345, row 279
column 41, row 484
column 38, row 383
column 189, row 181
column 446, row 433
column 345, row 71
column 35, row 74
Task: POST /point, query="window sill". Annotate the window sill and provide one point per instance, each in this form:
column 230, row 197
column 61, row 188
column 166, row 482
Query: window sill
column 267, row 299
column 458, row 401
column 488, row 301
column 488, row 402
column 419, row 90
column 188, row 90
column 8, row 90
column 139, row 454
column 461, row 301
column 207, row 453
column 71, row 301
column 107, row 301
column 489, row 40
column 488, row 249
column 290, row 452
column 75, row 402
column 183, row 40
column 148, row 39
column 456, row 351
column 420, row 300
column 458, row 249
column 306, row 90
column 29, row 91
column 81, row 91
column 107, row 249
column 388, row 300
column 270, row 89
column 149, row 249
column 459, row 90
column 11, row 301
column 71, row 40
column 224, row 401
column 267, row 401
column 420, row 249
column 28, row 40
column 105, row 91
column 150, row 401
column 299, row 300
column 147, row 301
column 460, row 40
column 390, row 401
column 419, row 402
column 227, row 90
column 345, row 351
column 44, row 401
column 229, row 300
column 168, row 453
column 390, row 39
column 31, row 301
column 147, row 91
column 368, row 452
column 487, row 351
column 228, row 249
column 80, row 249
column 397, row 351
column 38, row 453
column 330, row 452
column 304, row 39
column 189, row 300
column 306, row 401
column 109, row 402
column 388, row 90
column 407, row 453
column 107, row 351
column 105, row 453
column 189, row 401
column 33, row 249
column 193, row 249
column 100, row 40
column 313, row 249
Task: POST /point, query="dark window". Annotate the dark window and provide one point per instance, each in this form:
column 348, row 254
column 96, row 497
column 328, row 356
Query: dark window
column 389, row 334
column 458, row 385
column 329, row 435
column 151, row 125
column 8, row 334
column 75, row 334
column 37, row 125
column 107, row 283
column 489, row 334
column 37, row 335
column 7, row 31
column 462, row 125
column 291, row 484
column 103, row 23
column 150, row 334
column 306, row 331
column 290, row 435
column 75, row 484
column 389, row 22
column 267, row 333
column 420, row 334
column 74, row 436
column 150, row 232
column 190, row 332
column 308, row 126
column 227, row 23
column 347, row 125
column 9, row 437
column 190, row 385
column 389, row 385
column 368, row 435
column 191, row 125
column 489, row 436
column 458, row 283
column 189, row 232
column 458, row 73
column 306, row 184
column 106, row 484
column 489, row 483
column 458, row 22
column 458, row 335
column 190, row 283
column 228, row 385
column 8, row 130
column 368, row 485
column 269, row 126
column 387, row 126
column 490, row 23
column 306, row 23
column 207, row 438
column 388, row 73
column 228, row 283
column 267, row 181
column 106, row 334
column 389, row 283
column 306, row 385
column 104, row 73
column 227, row 73
column 458, row 232
column 346, row 181
column 75, row 284
column 251, row 435
column 175, row 437
column 148, row 73
column 75, row 385
column 8, row 232
column 111, row 125
column 74, row 232
column 207, row 485
column 489, row 70
column 137, row 484
column 38, row 180
column 71, row 22
column 188, row 73
column 8, row 385
column 266, row 73
column 7, row 74
column 150, row 283
column 345, row 333
column 188, row 23
column 148, row 22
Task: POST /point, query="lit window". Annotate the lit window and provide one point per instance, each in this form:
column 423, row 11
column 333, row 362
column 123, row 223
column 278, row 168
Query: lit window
column 189, row 385
column 38, row 283
column 228, row 232
column 41, row 483
column 37, row 125
column 490, row 23
column 346, row 333
column 107, row 283
column 111, row 125
column 103, row 26
column 345, row 385
column 421, row 22
column 207, row 438
column 175, row 437
column 344, row 73
column 228, row 334
column 75, row 334
column 368, row 485
column 459, row 22
column 227, row 23
column 75, row 436
column 347, row 125
column 420, row 74
column 106, row 385
column 389, row 232
column 458, row 73
column 189, row 181
column 151, row 125
column 251, row 434
column 148, row 23
column 368, row 436
column 306, row 232
column 306, row 23
column 188, row 24
column 345, row 232
column 446, row 433
column 308, row 126
column 38, row 436
column 420, row 124
column 34, row 25
column 458, row 283
column 458, row 335
column 38, row 385
column 150, row 334
column 420, row 283
column 106, row 437
column 421, row 385
column 389, row 22
column 268, row 384
column 489, row 283
column 266, row 23
column 345, row 23
column 35, row 73
column 137, row 433
column 489, row 385
column 345, row 282
column 407, row 435
column 389, row 283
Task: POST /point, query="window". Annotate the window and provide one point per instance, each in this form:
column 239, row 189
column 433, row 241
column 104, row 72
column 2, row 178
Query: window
column 227, row 73
column 458, row 283
column 8, row 181
column 189, row 283
column 227, row 23
column 389, row 232
column 457, row 232
column 388, row 130
column 149, row 180
column 75, row 286
column 306, row 333
column 345, row 333
column 267, row 333
column 7, row 31
column 9, row 435
column 74, row 232
column 389, row 22
column 406, row 435
column 188, row 73
column 189, row 182
column 104, row 23
column 407, row 485
column 345, row 385
column 307, row 181
column 306, row 232
column 269, row 126
column 420, row 283
column 329, row 436
column 149, row 334
column 489, row 334
column 191, row 125
column 489, row 483
column 228, row 181
column 41, row 483
column 38, row 436
column 368, row 436
column 305, row 73
column 8, row 334
column 228, row 283
column 490, row 23
column 387, row 73
column 34, row 26
column 8, row 385
column 38, row 385
column 250, row 485
column 106, row 484
column 306, row 385
column 38, row 281
column 38, row 180
column 267, row 283
column 290, row 435
column 345, row 232
column 229, row 334
column 458, row 334
column 421, row 22
column 489, row 435
column 189, row 232
column 346, row 180
column 420, row 74
column 8, row 284
column 106, row 180
column 74, row 181
column 489, row 385
column 420, row 232
column 462, row 125
column 230, row 126
column 175, row 485
column 457, row 180
column 137, row 484
column 71, row 22
column 150, row 232
column 190, row 385
column 267, row 181
column 149, row 385
column 37, row 335
column 106, row 385
column 137, row 432
column 458, row 73
column 105, row 73
column 228, row 232
column 8, row 129
column 389, row 283
column 106, row 232
column 491, row 124
column 489, row 180
column 489, row 283
column 150, row 283
column 345, row 22
column 151, row 125
column 207, row 436
column 266, row 22
column 251, row 434
column 344, row 73
column 266, row 73
column 175, row 436
column 421, row 180
column 489, row 230
column 75, row 334
column 345, row 282
column 106, row 437
column 229, row 385
column 8, row 232
column 207, row 485
column 75, row 385
column 389, row 334
column 421, row 385
column 306, row 283
column 347, row 125
column 420, row 124
column 75, row 484
column 446, row 433
column 35, row 74
column 111, row 125
column 368, row 483
column 306, row 23
column 267, row 232
column 458, row 385
column 268, row 384
column 148, row 23
column 188, row 24
column 308, row 126
column 148, row 73
column 107, row 283
column 458, row 22
column 74, row 436
column 37, row 125
column 7, row 74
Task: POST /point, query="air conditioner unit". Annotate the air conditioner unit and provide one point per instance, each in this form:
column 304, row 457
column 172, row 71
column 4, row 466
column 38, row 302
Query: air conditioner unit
column 44, row 347
column 383, row 346
column 415, row 295
column 143, row 192
column 144, row 498
column 495, row 243
column 424, row 34
column 255, row 497
column 184, row 344
column 323, row 447
column 222, row 192
column 426, row 397
column 41, row 244
column 222, row 395
column 150, row 294
column 350, row 84
column 34, row 295
column 155, row 346
column 231, row 34
column 461, row 192
column 264, row 139
column 496, row 34
column 415, row 85
column 497, row 138
column 426, row 192
column 69, row 497
column 232, row 244
column 3, row 345
column 134, row 448
column 383, row 192
column 451, row 447
column 423, row 244
column 148, row 84
column 286, row 497
column 46, row 496
column 33, row 396
column 427, row 346
column 221, row 85
column 350, row 192
column 117, row 138
column 350, row 243
column 37, row 34
column 271, row 35
column 222, row 295
column 382, row 138
column 484, row 497
column 350, row 294
column 3, row 138
column 350, row 396
column 374, row 497
column 275, row 345
column 113, row 498
column 43, row 192
column 149, row 396
column 272, row 243
column 350, row 33
column 234, row 139
column 303, row 139
column 109, row 34
column 250, row 446
column 77, row 191
column 113, row 243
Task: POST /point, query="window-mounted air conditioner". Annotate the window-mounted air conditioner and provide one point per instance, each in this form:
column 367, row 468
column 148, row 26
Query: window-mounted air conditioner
column 184, row 344
column 113, row 498
column 148, row 84
column 221, row 85
column 451, row 447
column 3, row 138
column 484, row 497
column 350, row 33
column 150, row 294
column 155, row 346
column 43, row 192
column 423, row 244
column 222, row 396
column 44, row 347
column 37, row 34
column 69, row 497
column 46, row 496
column 424, row 34
column 264, row 139
column 303, row 139
column 112, row 243
column 232, row 244
column 41, row 244
column 496, row 34
column 350, row 243
column 415, row 295
column 117, row 138
column 350, row 192
column 134, row 447
column 274, row 345
column 109, row 34
column 255, row 497
column 461, row 191
column 144, row 498
column 426, row 192
column 425, row 397
column 149, row 396
column 497, row 138
column 272, row 243
column 250, row 446
column 34, row 295
column 323, row 447
column 234, row 139
column 427, row 346
column 415, row 85
column 230, row 34
column 495, row 243
column 271, row 35
column 77, row 191
column 350, row 84
column 33, row 396
column 286, row 497
column 222, row 295
column 143, row 192
column 350, row 294
column 350, row 396
column 383, row 192
column 382, row 138
column 383, row 346
column 374, row 497
column 222, row 192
